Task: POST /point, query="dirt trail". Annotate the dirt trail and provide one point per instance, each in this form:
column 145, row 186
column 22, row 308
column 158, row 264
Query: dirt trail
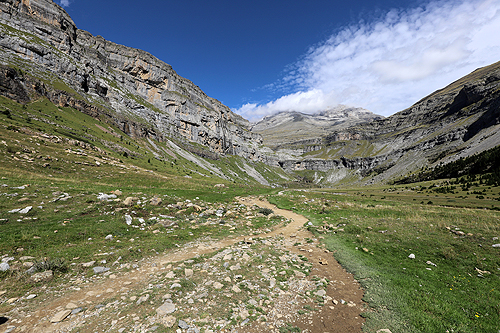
column 340, row 317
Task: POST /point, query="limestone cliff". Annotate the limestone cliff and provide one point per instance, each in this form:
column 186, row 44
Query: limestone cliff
column 142, row 95
column 457, row 121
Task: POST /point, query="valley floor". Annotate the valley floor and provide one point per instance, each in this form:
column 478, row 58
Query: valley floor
column 280, row 281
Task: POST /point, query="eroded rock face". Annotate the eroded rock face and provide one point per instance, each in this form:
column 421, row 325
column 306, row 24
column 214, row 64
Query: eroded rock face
column 139, row 93
column 457, row 121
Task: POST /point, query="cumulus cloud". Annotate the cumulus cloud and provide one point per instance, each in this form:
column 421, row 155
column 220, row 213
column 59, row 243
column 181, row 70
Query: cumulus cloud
column 387, row 64
column 65, row 3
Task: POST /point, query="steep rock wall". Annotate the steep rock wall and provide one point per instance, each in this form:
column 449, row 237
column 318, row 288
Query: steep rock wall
column 141, row 94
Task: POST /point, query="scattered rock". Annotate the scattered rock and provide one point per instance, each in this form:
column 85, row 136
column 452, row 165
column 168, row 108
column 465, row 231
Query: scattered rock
column 4, row 267
column 60, row 316
column 183, row 325
column 117, row 192
column 100, row 269
column 142, row 299
column 431, row 263
column 42, row 276
column 384, row 330
column 25, row 210
column 77, row 310
column 88, row 264
column 155, row 201
column 188, row 272
column 31, row 296
column 411, row 256
column 128, row 219
column 106, row 197
column 129, row 201
column 496, row 245
column 166, row 308
column 320, row 293
column 71, row 306
column 218, row 285
column 168, row 321
column 236, row 289
column 108, row 237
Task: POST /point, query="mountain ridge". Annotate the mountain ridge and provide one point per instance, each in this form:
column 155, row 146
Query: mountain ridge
column 44, row 55
column 288, row 127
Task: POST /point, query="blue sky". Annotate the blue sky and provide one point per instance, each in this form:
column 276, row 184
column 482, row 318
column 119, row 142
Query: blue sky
column 260, row 57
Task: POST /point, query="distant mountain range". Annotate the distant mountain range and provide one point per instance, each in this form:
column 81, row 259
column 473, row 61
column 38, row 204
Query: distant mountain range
column 289, row 126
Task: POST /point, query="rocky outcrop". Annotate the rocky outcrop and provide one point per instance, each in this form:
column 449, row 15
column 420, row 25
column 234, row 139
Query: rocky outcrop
column 142, row 95
column 457, row 121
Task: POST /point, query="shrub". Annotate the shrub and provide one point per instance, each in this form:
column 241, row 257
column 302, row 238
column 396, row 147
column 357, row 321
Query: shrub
column 49, row 264
column 265, row 211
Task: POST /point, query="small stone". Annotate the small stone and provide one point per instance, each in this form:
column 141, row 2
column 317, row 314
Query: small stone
column 183, row 325
column 236, row 289
column 496, row 245
column 128, row 219
column 108, row 237
column 272, row 282
column 77, row 310
column 155, row 201
column 31, row 296
column 175, row 285
column 142, row 299
column 71, row 306
column 320, row 293
column 25, row 210
column 168, row 321
column 218, row 285
column 60, row 316
column 170, row 275
column 106, row 197
column 4, row 267
column 384, row 330
column 166, row 308
column 128, row 202
column 188, row 272
column 117, row 192
column 100, row 269
column 411, row 256
column 235, row 267
column 28, row 264
column 88, row 264
column 11, row 300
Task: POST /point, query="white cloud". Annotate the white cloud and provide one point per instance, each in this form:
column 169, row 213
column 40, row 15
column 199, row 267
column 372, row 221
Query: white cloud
column 388, row 64
column 65, row 3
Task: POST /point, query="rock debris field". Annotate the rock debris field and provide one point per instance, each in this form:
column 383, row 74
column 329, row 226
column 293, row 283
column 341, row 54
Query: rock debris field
column 280, row 281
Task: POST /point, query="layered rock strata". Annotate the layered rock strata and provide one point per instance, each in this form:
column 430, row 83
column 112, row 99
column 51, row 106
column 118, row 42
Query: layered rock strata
column 142, row 95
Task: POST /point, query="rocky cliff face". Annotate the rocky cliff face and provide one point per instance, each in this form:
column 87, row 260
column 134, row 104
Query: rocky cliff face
column 139, row 93
column 457, row 121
